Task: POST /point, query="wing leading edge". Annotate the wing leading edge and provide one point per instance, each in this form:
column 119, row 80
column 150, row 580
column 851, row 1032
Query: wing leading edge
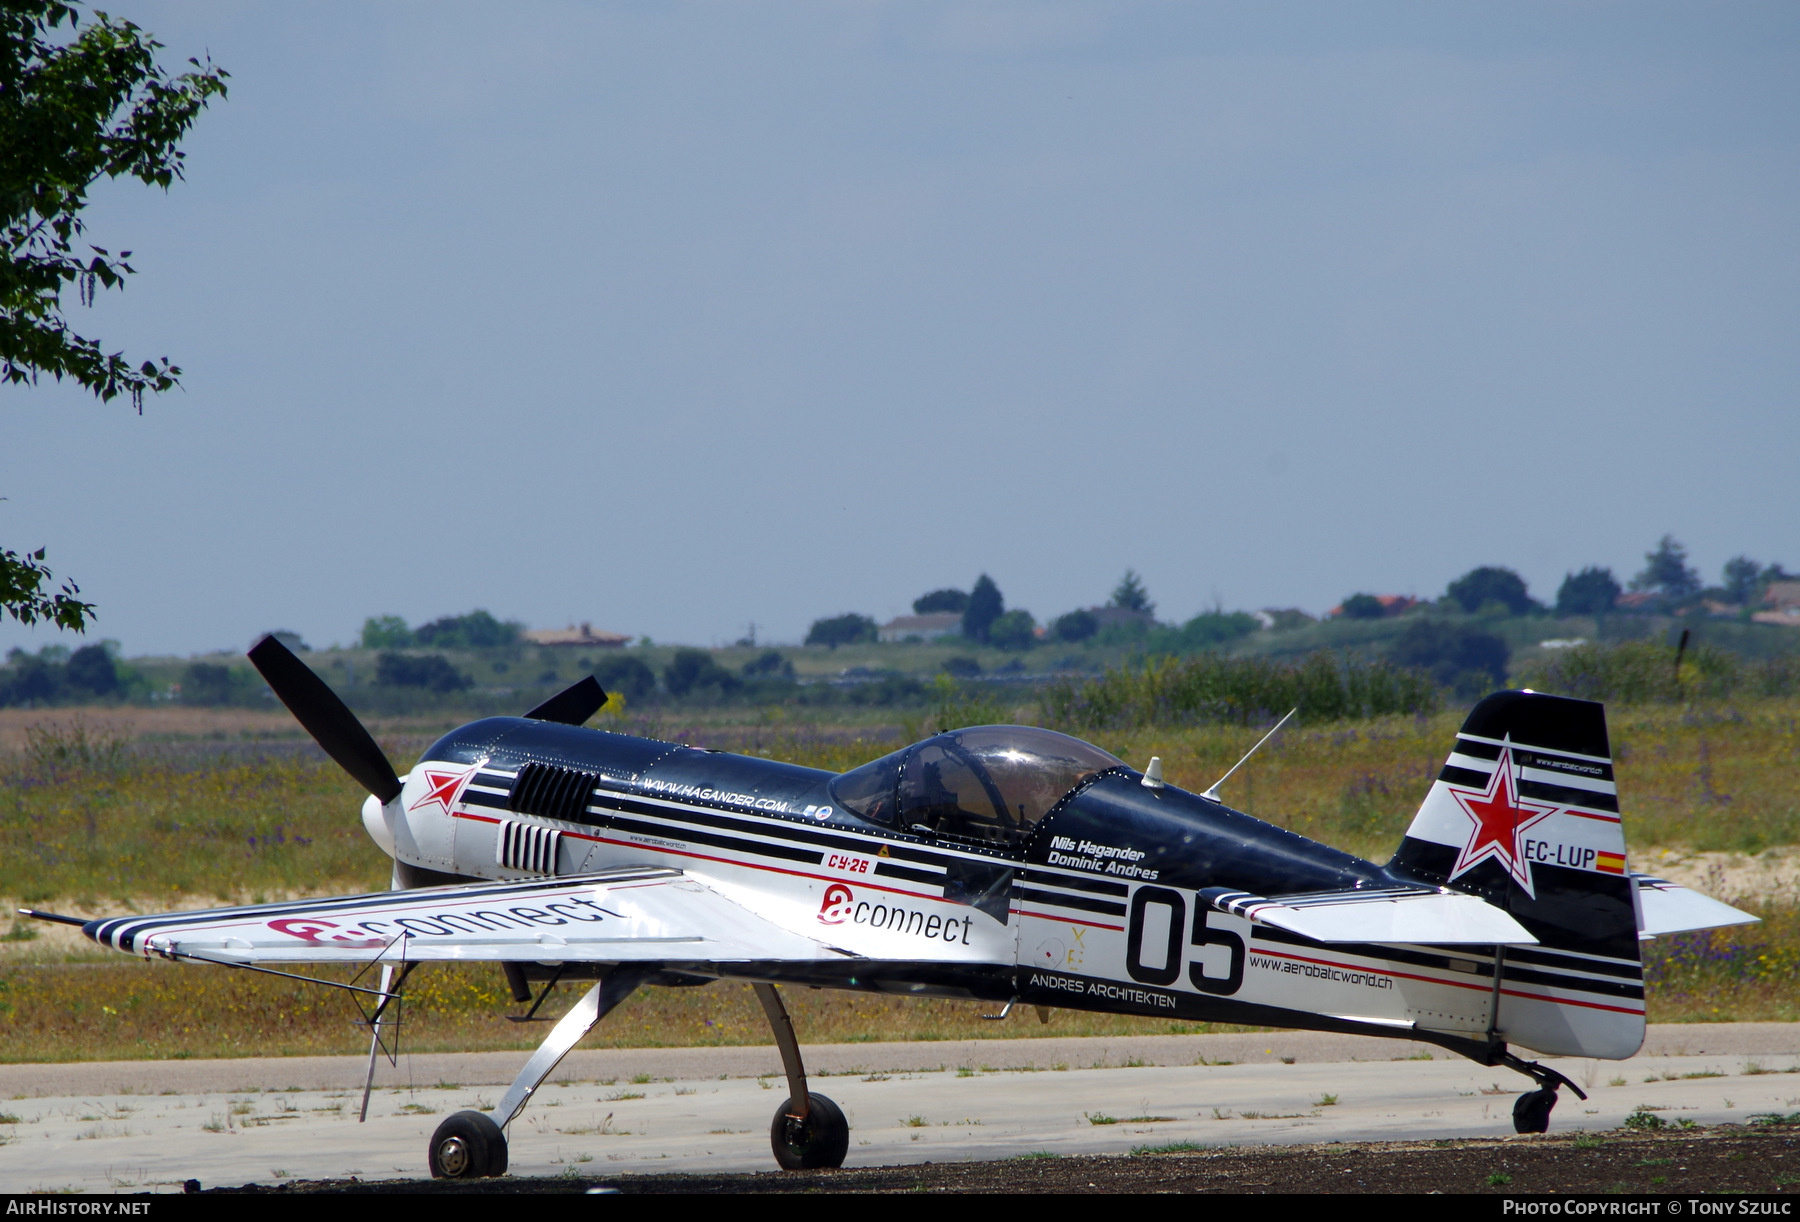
column 617, row 916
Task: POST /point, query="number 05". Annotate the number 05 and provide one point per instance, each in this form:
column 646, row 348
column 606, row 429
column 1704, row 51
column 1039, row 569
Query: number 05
column 1207, row 936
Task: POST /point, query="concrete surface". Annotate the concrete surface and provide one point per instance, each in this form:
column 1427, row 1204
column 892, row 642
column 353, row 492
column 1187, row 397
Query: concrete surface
column 135, row 1125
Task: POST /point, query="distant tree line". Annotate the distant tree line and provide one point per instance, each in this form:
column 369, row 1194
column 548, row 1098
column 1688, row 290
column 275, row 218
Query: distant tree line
column 1453, row 640
column 1667, row 584
column 54, row 675
column 476, row 630
column 986, row 620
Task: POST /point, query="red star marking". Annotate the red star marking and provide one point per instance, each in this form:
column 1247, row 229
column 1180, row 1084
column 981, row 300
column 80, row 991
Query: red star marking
column 444, row 788
column 1498, row 819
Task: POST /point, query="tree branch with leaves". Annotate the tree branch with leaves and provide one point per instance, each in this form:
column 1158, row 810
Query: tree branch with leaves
column 78, row 103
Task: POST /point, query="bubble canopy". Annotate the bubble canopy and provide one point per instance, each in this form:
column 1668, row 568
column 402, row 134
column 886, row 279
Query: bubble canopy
column 985, row 783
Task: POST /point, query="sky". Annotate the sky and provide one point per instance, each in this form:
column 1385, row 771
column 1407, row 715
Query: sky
column 678, row 318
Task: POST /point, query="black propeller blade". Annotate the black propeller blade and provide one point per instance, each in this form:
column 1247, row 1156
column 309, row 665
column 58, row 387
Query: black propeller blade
column 331, row 723
column 573, row 705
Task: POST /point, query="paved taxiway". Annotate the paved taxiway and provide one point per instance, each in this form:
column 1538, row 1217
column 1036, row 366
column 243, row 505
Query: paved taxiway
column 135, row 1125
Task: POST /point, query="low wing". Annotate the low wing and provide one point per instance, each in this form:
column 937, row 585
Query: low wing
column 1420, row 916
column 616, row 916
column 1665, row 907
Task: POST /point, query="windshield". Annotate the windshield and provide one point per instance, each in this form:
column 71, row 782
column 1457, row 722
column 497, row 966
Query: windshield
column 988, row 783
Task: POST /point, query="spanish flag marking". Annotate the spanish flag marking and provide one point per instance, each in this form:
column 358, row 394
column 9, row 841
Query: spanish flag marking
column 1610, row 863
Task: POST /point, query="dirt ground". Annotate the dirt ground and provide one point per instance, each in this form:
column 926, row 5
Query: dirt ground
column 1769, row 877
column 1723, row 1159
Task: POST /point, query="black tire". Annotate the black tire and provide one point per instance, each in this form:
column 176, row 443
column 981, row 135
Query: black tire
column 821, row 1140
column 1531, row 1112
column 467, row 1146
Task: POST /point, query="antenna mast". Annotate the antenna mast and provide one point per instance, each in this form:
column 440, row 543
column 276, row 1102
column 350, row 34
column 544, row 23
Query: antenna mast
column 1213, row 793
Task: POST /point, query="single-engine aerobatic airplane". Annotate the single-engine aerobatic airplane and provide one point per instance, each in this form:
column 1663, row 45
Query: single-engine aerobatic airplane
column 1003, row 863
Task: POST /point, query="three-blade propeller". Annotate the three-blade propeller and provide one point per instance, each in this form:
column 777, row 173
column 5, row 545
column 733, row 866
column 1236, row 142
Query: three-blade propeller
column 335, row 728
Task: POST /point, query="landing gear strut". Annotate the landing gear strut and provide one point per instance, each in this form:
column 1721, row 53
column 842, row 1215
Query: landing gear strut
column 809, row 1131
column 470, row 1145
column 1531, row 1111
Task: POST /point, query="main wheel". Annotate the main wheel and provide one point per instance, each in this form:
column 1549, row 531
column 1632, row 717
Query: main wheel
column 820, row 1140
column 467, row 1146
column 1531, row 1112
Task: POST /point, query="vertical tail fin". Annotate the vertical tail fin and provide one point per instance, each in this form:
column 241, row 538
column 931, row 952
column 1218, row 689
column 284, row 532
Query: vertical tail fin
column 1525, row 814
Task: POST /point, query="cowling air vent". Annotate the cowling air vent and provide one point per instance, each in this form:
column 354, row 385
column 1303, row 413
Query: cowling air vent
column 551, row 792
column 528, row 848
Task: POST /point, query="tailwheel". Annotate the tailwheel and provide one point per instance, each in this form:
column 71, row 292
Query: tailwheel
column 819, row 1139
column 467, row 1146
column 1531, row 1113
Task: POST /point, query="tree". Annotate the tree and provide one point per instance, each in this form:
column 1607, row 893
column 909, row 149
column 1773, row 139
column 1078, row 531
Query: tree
column 769, row 664
column 92, row 669
column 24, row 585
column 848, row 629
column 1458, row 655
column 1593, row 591
column 951, row 602
column 73, row 111
column 1742, row 576
column 206, row 683
column 1477, row 588
column 1206, row 630
column 1666, row 572
column 476, row 630
column 432, row 671
column 1075, row 626
column 1130, row 595
column 386, row 632
column 1013, row 630
column 985, row 606
column 35, row 679
column 628, row 675
column 690, row 670
column 1362, row 606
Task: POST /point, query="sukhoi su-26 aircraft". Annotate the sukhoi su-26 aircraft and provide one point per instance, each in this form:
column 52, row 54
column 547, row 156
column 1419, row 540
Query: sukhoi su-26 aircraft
column 1004, row 863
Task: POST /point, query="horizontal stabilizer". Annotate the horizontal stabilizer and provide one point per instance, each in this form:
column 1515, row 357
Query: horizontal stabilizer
column 1415, row 915
column 1665, row 907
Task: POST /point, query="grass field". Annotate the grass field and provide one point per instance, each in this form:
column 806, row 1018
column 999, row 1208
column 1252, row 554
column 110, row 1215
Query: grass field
column 104, row 820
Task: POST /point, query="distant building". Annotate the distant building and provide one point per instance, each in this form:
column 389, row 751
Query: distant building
column 582, row 636
column 1783, row 601
column 921, row 627
column 1781, row 594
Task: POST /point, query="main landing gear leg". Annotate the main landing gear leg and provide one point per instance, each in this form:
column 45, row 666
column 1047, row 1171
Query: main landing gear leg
column 470, row 1145
column 1531, row 1111
column 808, row 1130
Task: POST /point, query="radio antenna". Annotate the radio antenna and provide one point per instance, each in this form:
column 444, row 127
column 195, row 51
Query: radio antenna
column 1213, row 793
